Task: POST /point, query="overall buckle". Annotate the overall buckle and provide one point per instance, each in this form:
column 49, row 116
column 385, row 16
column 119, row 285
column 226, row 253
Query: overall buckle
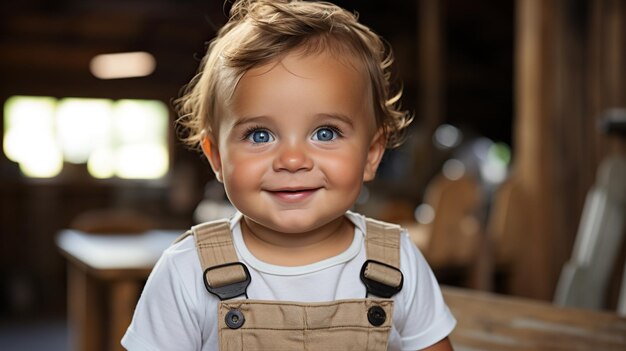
column 228, row 291
column 377, row 288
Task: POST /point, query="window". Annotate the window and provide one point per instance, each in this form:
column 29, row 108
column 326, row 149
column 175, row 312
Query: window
column 122, row 138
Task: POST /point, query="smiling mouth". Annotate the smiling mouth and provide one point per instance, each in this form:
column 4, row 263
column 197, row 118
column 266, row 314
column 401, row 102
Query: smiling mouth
column 293, row 195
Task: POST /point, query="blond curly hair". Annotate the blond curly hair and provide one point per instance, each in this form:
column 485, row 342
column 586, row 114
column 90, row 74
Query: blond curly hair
column 259, row 31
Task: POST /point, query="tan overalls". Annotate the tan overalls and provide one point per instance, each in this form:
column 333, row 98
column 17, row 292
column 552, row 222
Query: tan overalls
column 355, row 324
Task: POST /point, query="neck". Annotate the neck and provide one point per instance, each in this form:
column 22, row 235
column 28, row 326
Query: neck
column 297, row 249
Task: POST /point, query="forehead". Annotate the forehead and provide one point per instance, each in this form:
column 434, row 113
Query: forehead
column 305, row 83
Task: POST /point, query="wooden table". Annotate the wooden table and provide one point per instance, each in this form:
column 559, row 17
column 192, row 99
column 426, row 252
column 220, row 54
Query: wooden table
column 495, row 322
column 105, row 277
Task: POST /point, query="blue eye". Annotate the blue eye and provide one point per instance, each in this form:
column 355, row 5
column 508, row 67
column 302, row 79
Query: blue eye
column 325, row 134
column 260, row 136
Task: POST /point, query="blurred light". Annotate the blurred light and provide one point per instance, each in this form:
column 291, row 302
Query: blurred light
column 43, row 159
column 101, row 163
column 424, row 214
column 502, row 152
column 140, row 121
column 453, row 169
column 141, row 127
column 122, row 65
column 495, row 167
column 480, row 148
column 82, row 126
column 142, row 161
column 23, row 116
column 41, row 133
column 447, row 136
column 29, row 136
column 16, row 144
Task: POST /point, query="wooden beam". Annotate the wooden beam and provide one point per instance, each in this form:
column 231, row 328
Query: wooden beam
column 430, row 63
column 569, row 69
column 534, row 155
column 430, row 89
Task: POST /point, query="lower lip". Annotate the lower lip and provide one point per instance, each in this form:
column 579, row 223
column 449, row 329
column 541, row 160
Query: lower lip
column 293, row 196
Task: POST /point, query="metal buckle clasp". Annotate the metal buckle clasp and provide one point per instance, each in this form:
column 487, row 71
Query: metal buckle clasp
column 230, row 290
column 377, row 288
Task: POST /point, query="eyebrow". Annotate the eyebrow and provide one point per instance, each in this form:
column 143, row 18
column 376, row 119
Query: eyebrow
column 260, row 119
column 250, row 120
column 342, row 117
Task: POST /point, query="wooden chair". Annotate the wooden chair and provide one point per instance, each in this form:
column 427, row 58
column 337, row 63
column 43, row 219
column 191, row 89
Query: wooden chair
column 450, row 242
column 456, row 228
column 585, row 277
column 505, row 225
column 504, row 233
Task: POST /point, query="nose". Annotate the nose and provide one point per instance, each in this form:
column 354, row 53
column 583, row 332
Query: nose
column 292, row 157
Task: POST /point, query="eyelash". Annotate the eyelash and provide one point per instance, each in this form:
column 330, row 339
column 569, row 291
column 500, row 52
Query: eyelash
column 248, row 132
column 332, row 127
column 255, row 128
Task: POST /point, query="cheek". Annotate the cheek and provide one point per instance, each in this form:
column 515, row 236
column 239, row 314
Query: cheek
column 242, row 170
column 240, row 176
column 346, row 169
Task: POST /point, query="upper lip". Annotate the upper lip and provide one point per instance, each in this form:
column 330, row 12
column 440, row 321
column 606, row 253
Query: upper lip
column 293, row 189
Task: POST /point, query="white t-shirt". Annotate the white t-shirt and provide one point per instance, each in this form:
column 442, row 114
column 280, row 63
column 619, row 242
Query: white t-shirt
column 175, row 311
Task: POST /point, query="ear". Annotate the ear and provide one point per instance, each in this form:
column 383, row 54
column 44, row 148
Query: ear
column 374, row 155
column 212, row 153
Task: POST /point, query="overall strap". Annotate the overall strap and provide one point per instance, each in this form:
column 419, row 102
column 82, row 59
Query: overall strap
column 224, row 276
column 381, row 272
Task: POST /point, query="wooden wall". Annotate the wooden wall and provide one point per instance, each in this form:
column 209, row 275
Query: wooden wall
column 570, row 58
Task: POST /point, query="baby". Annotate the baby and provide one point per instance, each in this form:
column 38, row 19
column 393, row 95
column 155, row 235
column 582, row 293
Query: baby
column 293, row 109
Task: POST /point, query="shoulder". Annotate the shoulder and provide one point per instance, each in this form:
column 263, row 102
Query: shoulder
column 179, row 267
column 183, row 247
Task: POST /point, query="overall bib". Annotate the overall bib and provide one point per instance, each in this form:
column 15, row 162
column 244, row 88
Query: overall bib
column 355, row 324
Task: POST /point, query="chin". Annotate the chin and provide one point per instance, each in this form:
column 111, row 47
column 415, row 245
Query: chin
column 301, row 224
column 292, row 227
column 288, row 223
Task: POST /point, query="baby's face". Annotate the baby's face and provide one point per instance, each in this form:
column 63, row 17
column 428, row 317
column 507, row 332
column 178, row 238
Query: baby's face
column 297, row 141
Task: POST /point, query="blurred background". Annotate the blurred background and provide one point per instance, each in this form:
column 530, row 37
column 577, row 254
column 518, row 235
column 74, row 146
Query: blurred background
column 512, row 172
